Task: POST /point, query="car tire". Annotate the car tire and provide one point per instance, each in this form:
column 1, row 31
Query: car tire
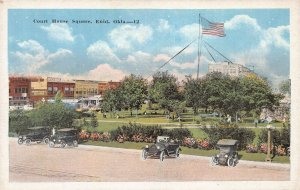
column 213, row 161
column 51, row 144
column 177, row 152
column 62, row 144
column 27, row 142
column 162, row 156
column 20, row 141
column 230, row 162
column 46, row 140
column 144, row 154
column 75, row 143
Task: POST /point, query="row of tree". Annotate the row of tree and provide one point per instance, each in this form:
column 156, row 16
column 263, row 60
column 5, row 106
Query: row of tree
column 215, row 91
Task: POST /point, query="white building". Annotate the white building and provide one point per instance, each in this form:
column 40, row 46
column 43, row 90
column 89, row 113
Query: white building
column 231, row 69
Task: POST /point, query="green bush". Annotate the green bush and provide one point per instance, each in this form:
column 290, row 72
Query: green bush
column 278, row 137
column 149, row 131
column 243, row 135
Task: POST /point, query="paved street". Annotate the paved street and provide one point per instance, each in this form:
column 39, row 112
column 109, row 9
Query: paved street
column 37, row 163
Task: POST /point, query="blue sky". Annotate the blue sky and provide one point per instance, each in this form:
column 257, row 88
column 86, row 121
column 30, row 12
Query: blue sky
column 256, row 38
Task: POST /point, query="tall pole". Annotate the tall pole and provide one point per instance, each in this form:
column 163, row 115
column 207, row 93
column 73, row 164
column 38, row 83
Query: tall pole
column 199, row 46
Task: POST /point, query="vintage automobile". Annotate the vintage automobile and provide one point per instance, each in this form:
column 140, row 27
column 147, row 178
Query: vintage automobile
column 35, row 134
column 162, row 148
column 228, row 153
column 63, row 137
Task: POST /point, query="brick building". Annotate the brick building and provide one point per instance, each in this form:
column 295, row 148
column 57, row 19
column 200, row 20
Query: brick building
column 19, row 88
column 104, row 86
column 57, row 84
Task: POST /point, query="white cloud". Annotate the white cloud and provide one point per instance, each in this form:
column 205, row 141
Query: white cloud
column 139, row 57
column 126, row 36
column 175, row 49
column 101, row 51
column 275, row 36
column 33, row 55
column 32, row 46
column 59, row 32
column 238, row 20
column 190, row 32
column 184, row 65
column 161, row 58
column 60, row 53
column 163, row 25
column 105, row 72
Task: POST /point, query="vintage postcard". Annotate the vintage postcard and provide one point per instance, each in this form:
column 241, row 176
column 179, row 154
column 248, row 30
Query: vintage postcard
column 132, row 95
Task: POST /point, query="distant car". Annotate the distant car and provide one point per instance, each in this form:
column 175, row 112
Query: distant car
column 63, row 137
column 228, row 153
column 162, row 148
column 35, row 134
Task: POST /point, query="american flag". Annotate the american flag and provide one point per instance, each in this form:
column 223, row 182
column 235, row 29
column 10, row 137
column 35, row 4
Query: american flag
column 212, row 28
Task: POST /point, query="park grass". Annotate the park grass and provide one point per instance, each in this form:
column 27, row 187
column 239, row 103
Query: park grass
column 260, row 157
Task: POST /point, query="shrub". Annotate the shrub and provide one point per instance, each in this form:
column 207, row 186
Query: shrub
column 243, row 135
column 278, row 137
column 139, row 133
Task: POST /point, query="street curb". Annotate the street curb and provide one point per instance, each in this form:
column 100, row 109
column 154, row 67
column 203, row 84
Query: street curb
column 252, row 164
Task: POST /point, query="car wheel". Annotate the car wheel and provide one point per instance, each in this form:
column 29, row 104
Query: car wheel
column 213, row 161
column 51, row 144
column 75, row 143
column 46, row 140
column 62, row 144
column 144, row 154
column 162, row 156
column 177, row 153
column 230, row 162
column 27, row 142
column 20, row 141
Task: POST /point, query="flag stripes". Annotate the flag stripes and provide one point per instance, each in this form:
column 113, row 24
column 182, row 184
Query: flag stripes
column 213, row 28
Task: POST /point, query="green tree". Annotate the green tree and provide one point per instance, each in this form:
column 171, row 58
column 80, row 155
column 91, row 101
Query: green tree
column 19, row 121
column 285, row 87
column 52, row 114
column 164, row 90
column 112, row 101
column 134, row 91
column 58, row 97
column 94, row 121
column 194, row 93
column 257, row 93
column 217, row 88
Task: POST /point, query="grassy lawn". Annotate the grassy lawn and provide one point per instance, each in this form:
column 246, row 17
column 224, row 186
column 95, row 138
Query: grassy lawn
column 191, row 151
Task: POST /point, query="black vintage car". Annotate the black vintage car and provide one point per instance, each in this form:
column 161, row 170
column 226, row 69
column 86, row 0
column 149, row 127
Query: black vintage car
column 35, row 134
column 162, row 148
column 63, row 137
column 228, row 153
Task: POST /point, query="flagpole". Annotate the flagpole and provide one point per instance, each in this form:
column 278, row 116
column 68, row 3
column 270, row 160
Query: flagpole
column 199, row 48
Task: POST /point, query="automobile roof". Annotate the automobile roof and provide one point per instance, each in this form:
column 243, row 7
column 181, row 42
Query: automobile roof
column 229, row 142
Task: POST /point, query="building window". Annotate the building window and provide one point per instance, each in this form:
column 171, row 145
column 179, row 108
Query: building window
column 67, row 90
column 55, row 89
column 50, row 89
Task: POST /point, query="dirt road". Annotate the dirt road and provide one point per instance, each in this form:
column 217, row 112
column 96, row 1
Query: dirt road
column 38, row 163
